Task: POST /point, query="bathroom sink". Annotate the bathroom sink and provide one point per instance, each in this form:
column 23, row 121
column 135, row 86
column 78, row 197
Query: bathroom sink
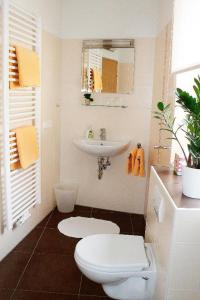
column 101, row 148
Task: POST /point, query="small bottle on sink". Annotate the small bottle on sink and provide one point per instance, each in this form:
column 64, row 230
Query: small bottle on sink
column 90, row 133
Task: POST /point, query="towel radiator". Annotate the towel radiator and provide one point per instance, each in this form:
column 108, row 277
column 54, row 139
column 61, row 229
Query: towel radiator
column 21, row 189
column 94, row 62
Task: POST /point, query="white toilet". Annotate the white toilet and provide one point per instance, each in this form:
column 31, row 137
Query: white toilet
column 123, row 264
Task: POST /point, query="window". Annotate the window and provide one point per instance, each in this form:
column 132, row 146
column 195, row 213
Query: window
column 184, row 81
column 186, row 42
column 185, row 57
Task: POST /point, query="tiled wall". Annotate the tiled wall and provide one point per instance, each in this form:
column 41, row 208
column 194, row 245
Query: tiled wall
column 51, row 86
column 116, row 190
column 163, row 90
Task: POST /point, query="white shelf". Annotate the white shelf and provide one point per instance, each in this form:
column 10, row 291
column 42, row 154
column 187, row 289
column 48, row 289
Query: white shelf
column 106, row 105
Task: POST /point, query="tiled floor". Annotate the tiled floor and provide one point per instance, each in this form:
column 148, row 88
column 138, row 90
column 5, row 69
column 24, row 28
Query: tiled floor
column 42, row 266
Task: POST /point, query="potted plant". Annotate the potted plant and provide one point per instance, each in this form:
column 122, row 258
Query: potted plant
column 191, row 128
column 88, row 98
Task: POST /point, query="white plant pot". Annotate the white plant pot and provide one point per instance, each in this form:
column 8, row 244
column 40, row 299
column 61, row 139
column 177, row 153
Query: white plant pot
column 191, row 182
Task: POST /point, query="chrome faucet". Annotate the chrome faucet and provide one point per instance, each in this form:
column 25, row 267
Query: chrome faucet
column 102, row 134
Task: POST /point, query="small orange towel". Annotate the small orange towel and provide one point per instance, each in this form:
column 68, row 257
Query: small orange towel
column 138, row 169
column 131, row 161
column 135, row 163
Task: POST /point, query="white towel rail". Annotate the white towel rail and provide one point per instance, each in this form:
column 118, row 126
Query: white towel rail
column 94, row 59
column 21, row 189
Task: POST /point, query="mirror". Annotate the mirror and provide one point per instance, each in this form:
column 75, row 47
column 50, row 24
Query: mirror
column 108, row 66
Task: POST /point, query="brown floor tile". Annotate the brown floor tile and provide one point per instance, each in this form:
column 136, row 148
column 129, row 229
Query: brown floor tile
column 5, row 294
column 52, row 241
column 89, row 287
column 107, row 211
column 121, row 219
column 44, row 221
column 30, row 295
column 51, row 273
column 11, row 268
column 80, row 208
column 29, row 242
column 57, row 216
column 138, row 224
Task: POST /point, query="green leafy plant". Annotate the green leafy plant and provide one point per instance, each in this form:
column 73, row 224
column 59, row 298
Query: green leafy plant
column 191, row 125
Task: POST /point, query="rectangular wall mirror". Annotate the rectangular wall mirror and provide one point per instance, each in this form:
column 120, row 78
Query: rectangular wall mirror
column 108, row 66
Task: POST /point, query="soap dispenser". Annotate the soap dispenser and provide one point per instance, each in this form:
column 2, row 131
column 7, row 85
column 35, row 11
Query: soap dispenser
column 90, row 133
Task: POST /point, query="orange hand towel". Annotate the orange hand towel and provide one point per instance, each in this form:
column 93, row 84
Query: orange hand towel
column 131, row 161
column 139, row 169
column 27, row 145
column 28, row 68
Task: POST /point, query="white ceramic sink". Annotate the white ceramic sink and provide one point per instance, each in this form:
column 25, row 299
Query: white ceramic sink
column 101, row 148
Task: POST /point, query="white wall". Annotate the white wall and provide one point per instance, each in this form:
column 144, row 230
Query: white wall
column 116, row 190
column 101, row 19
column 48, row 10
column 109, row 19
column 165, row 13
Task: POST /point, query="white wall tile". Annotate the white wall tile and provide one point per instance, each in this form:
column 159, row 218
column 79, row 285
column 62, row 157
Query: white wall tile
column 116, row 190
column 160, row 235
column 184, row 295
column 161, row 287
column 187, row 224
column 185, row 267
column 160, row 231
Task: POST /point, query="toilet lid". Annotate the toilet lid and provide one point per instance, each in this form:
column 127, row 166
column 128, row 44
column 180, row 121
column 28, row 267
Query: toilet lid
column 113, row 252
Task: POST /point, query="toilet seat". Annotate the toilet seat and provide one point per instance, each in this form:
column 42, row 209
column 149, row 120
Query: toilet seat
column 112, row 253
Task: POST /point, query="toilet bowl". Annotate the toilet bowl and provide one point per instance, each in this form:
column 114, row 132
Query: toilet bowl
column 123, row 264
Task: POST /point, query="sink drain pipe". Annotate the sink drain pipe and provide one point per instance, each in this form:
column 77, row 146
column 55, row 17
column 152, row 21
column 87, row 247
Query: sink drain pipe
column 103, row 163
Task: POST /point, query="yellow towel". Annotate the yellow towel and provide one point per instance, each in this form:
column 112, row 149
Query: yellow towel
column 27, row 145
column 97, row 80
column 138, row 169
column 131, row 161
column 28, row 68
